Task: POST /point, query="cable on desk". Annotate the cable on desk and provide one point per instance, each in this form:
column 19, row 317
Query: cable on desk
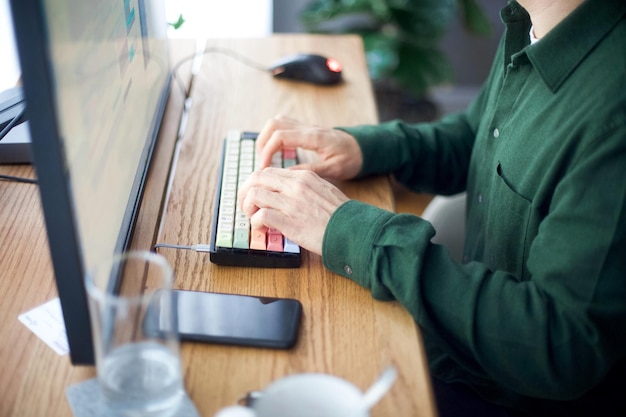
column 17, row 179
column 225, row 51
column 12, row 123
column 197, row 248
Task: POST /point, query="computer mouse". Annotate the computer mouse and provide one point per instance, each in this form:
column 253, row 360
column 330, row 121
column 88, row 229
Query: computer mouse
column 311, row 68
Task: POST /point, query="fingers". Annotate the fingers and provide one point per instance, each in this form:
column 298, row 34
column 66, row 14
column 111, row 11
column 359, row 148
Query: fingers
column 248, row 199
column 275, row 123
column 270, row 180
column 269, row 131
column 279, row 133
column 298, row 203
column 338, row 155
column 279, row 140
column 267, row 201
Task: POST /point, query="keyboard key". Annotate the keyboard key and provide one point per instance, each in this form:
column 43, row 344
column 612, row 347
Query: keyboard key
column 258, row 239
column 275, row 242
column 241, row 238
column 289, row 153
column 291, row 247
column 224, row 239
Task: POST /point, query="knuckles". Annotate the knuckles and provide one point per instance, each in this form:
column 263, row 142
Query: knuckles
column 305, row 177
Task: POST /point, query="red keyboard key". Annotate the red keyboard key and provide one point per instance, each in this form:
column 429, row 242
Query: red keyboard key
column 275, row 242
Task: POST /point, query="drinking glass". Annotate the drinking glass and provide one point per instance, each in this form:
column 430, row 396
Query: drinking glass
column 138, row 364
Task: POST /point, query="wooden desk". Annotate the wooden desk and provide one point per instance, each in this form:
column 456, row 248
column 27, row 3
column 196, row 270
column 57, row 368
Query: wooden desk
column 344, row 331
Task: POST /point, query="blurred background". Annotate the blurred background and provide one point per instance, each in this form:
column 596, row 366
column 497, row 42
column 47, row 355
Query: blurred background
column 449, row 44
column 426, row 57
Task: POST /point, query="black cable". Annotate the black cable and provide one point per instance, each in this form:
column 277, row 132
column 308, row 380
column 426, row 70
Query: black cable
column 225, row 51
column 4, row 132
column 12, row 123
column 201, row 247
column 17, row 179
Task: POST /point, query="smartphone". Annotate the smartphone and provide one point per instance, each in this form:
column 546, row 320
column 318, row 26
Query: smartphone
column 234, row 319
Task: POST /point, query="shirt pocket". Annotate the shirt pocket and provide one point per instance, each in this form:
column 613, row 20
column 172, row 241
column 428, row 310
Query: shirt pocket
column 507, row 227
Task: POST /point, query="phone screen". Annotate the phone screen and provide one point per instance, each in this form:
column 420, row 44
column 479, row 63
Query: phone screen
column 237, row 319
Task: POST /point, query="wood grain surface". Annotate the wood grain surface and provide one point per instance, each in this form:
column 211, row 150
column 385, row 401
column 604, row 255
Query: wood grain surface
column 344, row 331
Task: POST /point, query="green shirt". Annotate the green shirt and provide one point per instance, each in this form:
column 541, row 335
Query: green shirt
column 538, row 308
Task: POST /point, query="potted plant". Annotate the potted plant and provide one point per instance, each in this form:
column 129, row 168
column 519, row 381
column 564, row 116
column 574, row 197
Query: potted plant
column 401, row 37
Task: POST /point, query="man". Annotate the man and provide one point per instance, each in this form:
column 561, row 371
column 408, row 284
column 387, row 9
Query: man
column 534, row 319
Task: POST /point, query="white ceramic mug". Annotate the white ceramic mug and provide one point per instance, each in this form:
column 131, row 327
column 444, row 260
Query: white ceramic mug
column 314, row 395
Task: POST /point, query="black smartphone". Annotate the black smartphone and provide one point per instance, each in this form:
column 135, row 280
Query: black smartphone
column 234, row 319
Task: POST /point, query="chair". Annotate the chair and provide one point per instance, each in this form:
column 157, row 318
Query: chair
column 447, row 215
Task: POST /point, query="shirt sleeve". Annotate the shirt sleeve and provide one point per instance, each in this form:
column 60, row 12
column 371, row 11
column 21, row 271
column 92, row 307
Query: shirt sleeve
column 552, row 336
column 425, row 157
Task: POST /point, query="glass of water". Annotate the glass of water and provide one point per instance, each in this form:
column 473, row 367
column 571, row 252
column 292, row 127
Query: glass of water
column 135, row 337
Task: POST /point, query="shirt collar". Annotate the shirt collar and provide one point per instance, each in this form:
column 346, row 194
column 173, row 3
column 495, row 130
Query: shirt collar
column 567, row 44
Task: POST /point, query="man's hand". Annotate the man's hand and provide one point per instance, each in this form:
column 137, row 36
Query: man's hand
column 297, row 202
column 340, row 154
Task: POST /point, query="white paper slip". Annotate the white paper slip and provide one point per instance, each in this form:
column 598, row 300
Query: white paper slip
column 46, row 321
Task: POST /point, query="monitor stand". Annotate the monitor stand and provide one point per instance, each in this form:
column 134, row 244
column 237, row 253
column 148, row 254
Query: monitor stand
column 15, row 148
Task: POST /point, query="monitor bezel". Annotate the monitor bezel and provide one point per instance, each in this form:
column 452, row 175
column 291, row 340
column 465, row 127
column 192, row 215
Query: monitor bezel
column 54, row 179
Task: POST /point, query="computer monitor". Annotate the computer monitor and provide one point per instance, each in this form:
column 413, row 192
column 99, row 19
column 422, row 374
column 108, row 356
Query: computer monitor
column 96, row 79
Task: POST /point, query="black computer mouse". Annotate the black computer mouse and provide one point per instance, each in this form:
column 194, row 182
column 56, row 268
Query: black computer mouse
column 311, row 68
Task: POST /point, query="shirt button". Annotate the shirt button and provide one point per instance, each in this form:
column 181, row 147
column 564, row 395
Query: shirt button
column 496, row 133
column 348, row 269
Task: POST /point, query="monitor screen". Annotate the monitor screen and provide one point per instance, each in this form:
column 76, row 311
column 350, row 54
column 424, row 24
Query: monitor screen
column 96, row 78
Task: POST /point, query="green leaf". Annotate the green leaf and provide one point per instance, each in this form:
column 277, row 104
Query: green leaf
column 380, row 8
column 176, row 25
column 401, row 37
column 474, row 18
column 380, row 53
column 318, row 12
column 425, row 23
column 421, row 68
